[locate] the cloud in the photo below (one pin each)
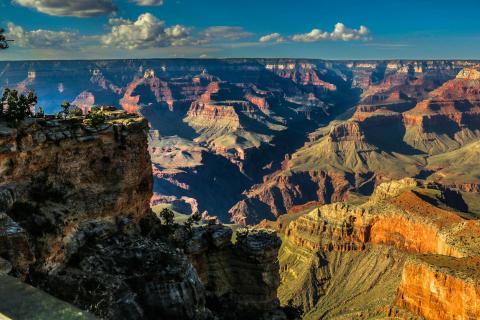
(149, 2)
(273, 37)
(146, 32)
(42, 39)
(218, 33)
(144, 35)
(340, 32)
(73, 8)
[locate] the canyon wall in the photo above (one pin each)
(439, 287)
(76, 222)
(402, 253)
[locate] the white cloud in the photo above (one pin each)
(340, 32)
(312, 36)
(42, 38)
(74, 8)
(149, 2)
(273, 37)
(229, 33)
(146, 32)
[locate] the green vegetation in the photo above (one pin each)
(69, 111)
(193, 219)
(40, 113)
(473, 201)
(167, 217)
(65, 106)
(3, 40)
(15, 108)
(75, 112)
(94, 118)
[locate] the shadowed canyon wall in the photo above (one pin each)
(76, 222)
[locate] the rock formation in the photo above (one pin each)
(390, 135)
(404, 251)
(248, 140)
(75, 221)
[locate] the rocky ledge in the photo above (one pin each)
(75, 221)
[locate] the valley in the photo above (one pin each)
(247, 139)
(325, 189)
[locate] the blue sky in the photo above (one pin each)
(378, 29)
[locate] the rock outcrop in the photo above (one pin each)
(439, 287)
(75, 221)
(422, 256)
(61, 174)
(219, 264)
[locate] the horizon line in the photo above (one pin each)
(243, 58)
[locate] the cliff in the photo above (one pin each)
(219, 263)
(58, 175)
(75, 221)
(439, 287)
(382, 257)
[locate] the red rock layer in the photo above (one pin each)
(212, 112)
(431, 288)
(129, 102)
(411, 225)
(260, 102)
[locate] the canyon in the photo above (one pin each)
(353, 188)
(278, 132)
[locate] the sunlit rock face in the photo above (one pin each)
(438, 287)
(248, 140)
(404, 250)
(248, 115)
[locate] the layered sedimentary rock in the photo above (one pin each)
(75, 221)
(44, 165)
(302, 73)
(392, 134)
(404, 252)
(219, 264)
(249, 115)
(439, 287)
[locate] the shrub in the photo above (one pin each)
(94, 118)
(40, 113)
(75, 112)
(193, 219)
(65, 107)
(15, 108)
(167, 217)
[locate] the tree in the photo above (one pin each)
(193, 219)
(16, 108)
(167, 216)
(75, 112)
(3, 40)
(65, 106)
(40, 113)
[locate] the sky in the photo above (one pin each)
(331, 29)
